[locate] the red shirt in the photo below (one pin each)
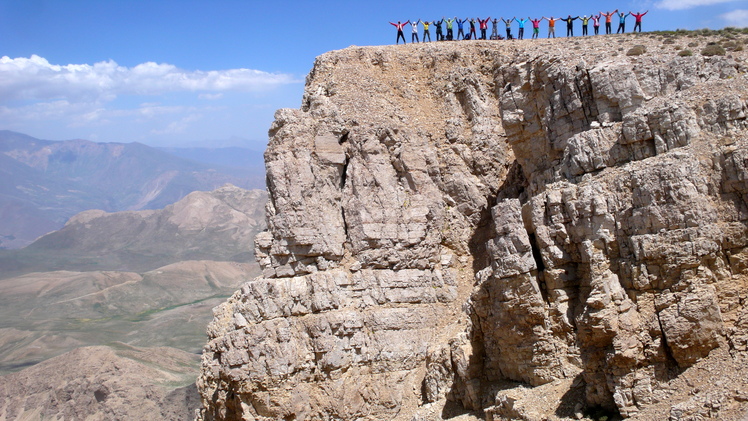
(399, 26)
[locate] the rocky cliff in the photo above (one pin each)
(527, 230)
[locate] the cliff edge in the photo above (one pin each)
(514, 230)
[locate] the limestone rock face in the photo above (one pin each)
(447, 221)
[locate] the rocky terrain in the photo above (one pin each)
(104, 383)
(533, 230)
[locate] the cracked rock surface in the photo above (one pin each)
(508, 230)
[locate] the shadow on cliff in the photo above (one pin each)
(573, 403)
(474, 391)
(513, 188)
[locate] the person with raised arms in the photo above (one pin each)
(596, 23)
(426, 33)
(414, 35)
(400, 27)
(551, 26)
(472, 34)
(638, 17)
(570, 25)
(439, 33)
(521, 22)
(585, 20)
(622, 22)
(460, 28)
(608, 17)
(450, 32)
(536, 27)
(508, 26)
(483, 26)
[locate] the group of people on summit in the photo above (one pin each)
(483, 25)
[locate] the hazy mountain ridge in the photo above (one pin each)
(218, 225)
(231, 156)
(46, 182)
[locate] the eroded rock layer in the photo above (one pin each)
(446, 219)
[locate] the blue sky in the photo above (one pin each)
(188, 72)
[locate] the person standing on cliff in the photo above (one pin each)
(570, 25)
(439, 33)
(638, 17)
(608, 17)
(426, 33)
(536, 27)
(460, 28)
(495, 29)
(551, 26)
(508, 27)
(414, 35)
(450, 32)
(483, 26)
(622, 23)
(596, 23)
(473, 34)
(400, 27)
(521, 23)
(585, 20)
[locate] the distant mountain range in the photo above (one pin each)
(232, 157)
(43, 183)
(146, 278)
(218, 225)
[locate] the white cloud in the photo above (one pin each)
(155, 110)
(211, 97)
(85, 113)
(737, 18)
(35, 78)
(43, 111)
(686, 4)
(179, 126)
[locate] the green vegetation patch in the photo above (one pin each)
(636, 50)
(713, 49)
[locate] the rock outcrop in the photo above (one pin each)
(454, 224)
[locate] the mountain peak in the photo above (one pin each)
(51, 181)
